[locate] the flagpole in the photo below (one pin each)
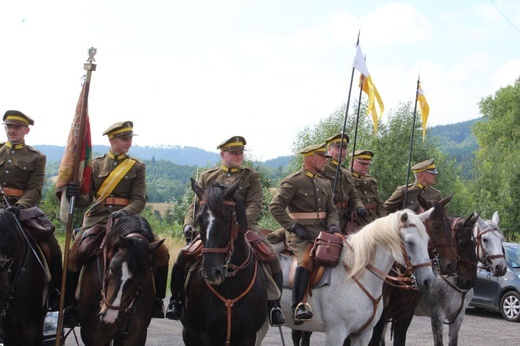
(344, 124)
(357, 120)
(89, 66)
(411, 143)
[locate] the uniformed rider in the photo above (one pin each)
(366, 185)
(251, 193)
(346, 198)
(125, 195)
(425, 174)
(304, 206)
(22, 175)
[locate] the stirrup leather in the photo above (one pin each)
(306, 307)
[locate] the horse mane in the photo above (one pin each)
(8, 231)
(384, 230)
(214, 199)
(136, 248)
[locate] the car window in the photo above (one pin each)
(513, 256)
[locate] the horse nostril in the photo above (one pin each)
(449, 266)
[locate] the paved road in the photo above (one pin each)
(479, 328)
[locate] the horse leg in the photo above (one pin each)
(437, 328)
(400, 327)
(378, 333)
(296, 336)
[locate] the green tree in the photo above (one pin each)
(497, 160)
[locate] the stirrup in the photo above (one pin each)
(271, 312)
(306, 308)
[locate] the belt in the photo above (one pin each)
(116, 201)
(13, 192)
(342, 205)
(371, 206)
(317, 215)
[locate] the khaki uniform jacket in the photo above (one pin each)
(23, 168)
(345, 197)
(300, 193)
(250, 190)
(395, 202)
(366, 187)
(132, 187)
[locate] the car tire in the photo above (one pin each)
(510, 306)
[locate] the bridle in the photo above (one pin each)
(129, 306)
(404, 280)
(485, 258)
(229, 249)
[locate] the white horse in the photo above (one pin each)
(351, 303)
(447, 302)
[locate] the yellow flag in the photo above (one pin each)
(368, 87)
(425, 109)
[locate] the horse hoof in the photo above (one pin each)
(174, 311)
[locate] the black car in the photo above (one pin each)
(503, 293)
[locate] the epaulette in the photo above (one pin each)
(133, 158)
(295, 174)
(33, 149)
(214, 169)
(99, 157)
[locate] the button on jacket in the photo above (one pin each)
(22, 168)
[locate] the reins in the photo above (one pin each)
(483, 256)
(405, 280)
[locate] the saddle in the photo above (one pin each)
(39, 228)
(90, 243)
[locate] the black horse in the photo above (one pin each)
(226, 295)
(22, 285)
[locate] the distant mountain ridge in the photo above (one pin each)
(456, 140)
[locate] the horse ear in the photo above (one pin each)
(445, 200)
(230, 192)
(496, 218)
(152, 247)
(197, 189)
(424, 203)
(423, 216)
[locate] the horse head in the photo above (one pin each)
(489, 239)
(462, 232)
(442, 249)
(128, 270)
(414, 240)
(223, 223)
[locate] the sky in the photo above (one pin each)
(196, 72)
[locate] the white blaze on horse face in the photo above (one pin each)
(211, 221)
(111, 315)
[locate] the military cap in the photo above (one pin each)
(319, 149)
(428, 166)
(120, 129)
(363, 155)
(335, 141)
(17, 118)
(234, 143)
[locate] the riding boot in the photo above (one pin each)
(53, 298)
(276, 317)
(174, 311)
(302, 312)
(161, 279)
(71, 313)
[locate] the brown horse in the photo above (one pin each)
(116, 291)
(225, 301)
(22, 285)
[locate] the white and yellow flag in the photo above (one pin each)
(368, 87)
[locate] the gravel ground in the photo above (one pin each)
(479, 328)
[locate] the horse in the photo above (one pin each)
(23, 286)
(349, 305)
(226, 288)
(441, 252)
(116, 290)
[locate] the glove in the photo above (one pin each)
(333, 229)
(189, 233)
(362, 212)
(117, 214)
(300, 232)
(72, 190)
(15, 209)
